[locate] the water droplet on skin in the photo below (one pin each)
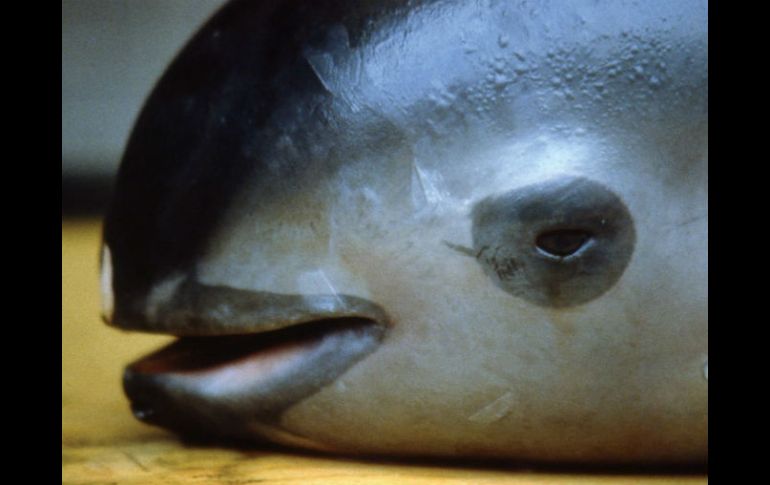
(501, 80)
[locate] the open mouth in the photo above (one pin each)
(217, 385)
(225, 383)
(261, 353)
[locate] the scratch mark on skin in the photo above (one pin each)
(461, 249)
(134, 460)
(687, 222)
(331, 287)
(430, 187)
(691, 220)
(420, 181)
(504, 268)
(162, 293)
(494, 411)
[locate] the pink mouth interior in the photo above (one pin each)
(256, 354)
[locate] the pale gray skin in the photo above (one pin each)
(378, 195)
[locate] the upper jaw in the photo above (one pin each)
(195, 309)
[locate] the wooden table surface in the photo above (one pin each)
(103, 444)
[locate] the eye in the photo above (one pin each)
(562, 242)
(558, 243)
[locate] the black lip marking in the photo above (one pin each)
(560, 243)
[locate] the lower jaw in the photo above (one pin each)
(236, 386)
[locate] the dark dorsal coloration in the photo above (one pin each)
(197, 140)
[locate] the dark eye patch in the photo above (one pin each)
(559, 243)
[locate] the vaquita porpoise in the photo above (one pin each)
(425, 228)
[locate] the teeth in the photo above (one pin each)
(108, 299)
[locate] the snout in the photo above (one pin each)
(243, 357)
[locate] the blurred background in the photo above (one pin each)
(113, 52)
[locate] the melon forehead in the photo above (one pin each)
(435, 87)
(404, 130)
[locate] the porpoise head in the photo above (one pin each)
(425, 228)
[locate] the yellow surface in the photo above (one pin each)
(102, 443)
